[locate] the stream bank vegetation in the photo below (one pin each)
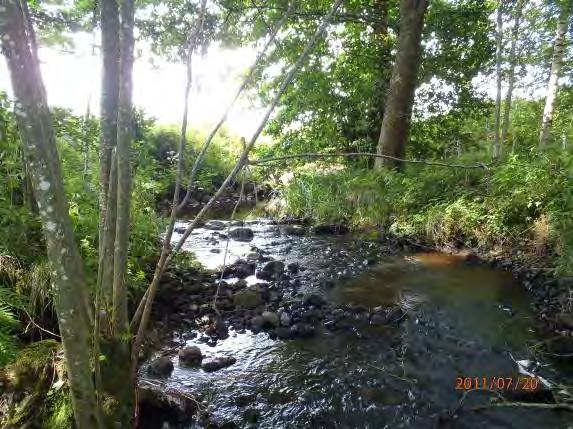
(83, 198)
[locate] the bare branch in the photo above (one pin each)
(246, 81)
(375, 155)
(160, 268)
(147, 300)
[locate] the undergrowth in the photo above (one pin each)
(523, 203)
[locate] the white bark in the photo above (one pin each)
(496, 149)
(71, 294)
(511, 75)
(553, 82)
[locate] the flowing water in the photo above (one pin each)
(462, 321)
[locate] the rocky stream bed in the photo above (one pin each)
(317, 327)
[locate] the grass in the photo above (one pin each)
(523, 203)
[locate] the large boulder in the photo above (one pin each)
(190, 356)
(241, 234)
(247, 298)
(271, 271)
(160, 367)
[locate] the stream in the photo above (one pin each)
(460, 320)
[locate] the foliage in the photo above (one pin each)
(39, 373)
(503, 206)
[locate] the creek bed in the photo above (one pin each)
(460, 320)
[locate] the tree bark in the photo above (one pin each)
(109, 17)
(496, 148)
(118, 350)
(553, 82)
(398, 110)
(511, 75)
(383, 45)
(38, 138)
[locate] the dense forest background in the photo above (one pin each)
(481, 101)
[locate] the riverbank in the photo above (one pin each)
(282, 283)
(514, 216)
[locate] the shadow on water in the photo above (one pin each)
(462, 320)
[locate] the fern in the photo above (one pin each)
(8, 325)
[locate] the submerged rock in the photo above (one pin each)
(335, 228)
(315, 300)
(161, 367)
(215, 225)
(217, 363)
(283, 333)
(190, 356)
(241, 234)
(294, 230)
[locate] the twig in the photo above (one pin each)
(246, 81)
(374, 155)
(227, 245)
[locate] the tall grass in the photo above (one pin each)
(524, 202)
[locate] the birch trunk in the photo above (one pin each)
(38, 138)
(398, 110)
(496, 148)
(553, 83)
(511, 75)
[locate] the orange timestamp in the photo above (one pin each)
(497, 383)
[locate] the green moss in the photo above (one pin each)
(38, 376)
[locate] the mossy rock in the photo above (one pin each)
(36, 389)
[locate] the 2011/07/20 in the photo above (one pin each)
(497, 383)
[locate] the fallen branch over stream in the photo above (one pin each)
(367, 154)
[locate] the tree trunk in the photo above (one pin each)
(398, 111)
(109, 15)
(511, 75)
(553, 83)
(496, 149)
(38, 137)
(383, 44)
(122, 386)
